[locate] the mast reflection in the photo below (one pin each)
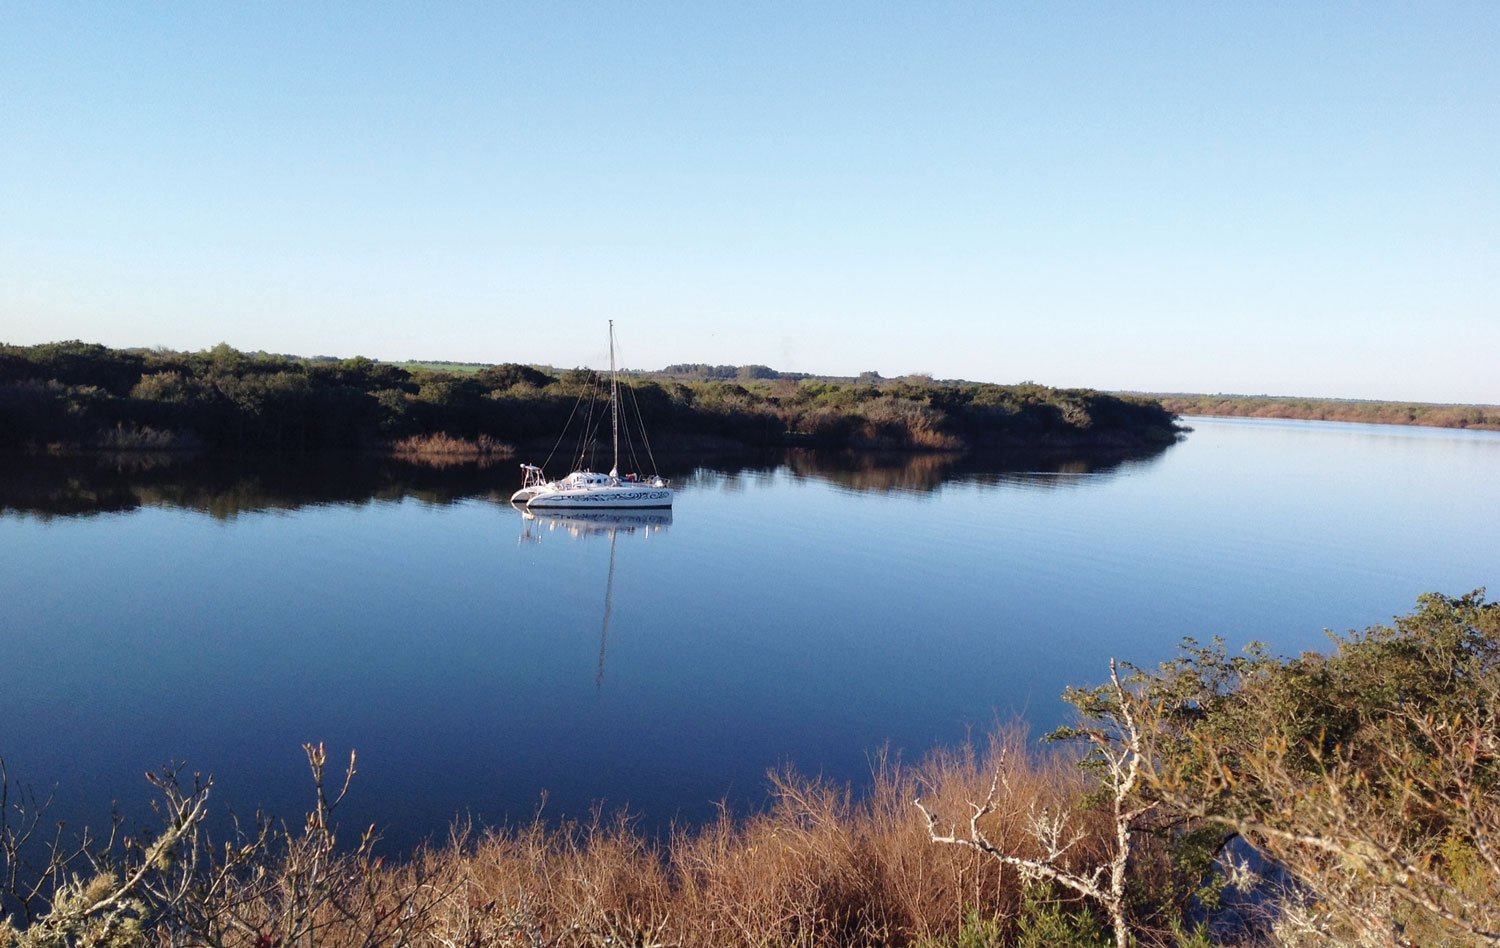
(579, 524)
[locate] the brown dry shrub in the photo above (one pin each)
(575, 884)
(441, 448)
(898, 423)
(124, 437)
(819, 867)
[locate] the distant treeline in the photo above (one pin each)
(73, 394)
(743, 373)
(1332, 409)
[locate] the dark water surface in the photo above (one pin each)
(801, 610)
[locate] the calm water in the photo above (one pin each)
(802, 612)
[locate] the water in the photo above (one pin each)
(800, 612)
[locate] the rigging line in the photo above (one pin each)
(571, 415)
(635, 461)
(595, 426)
(588, 438)
(634, 458)
(593, 445)
(645, 438)
(636, 404)
(629, 445)
(583, 433)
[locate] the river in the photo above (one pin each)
(800, 611)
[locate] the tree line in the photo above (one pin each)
(223, 399)
(1336, 409)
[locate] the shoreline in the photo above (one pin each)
(1292, 408)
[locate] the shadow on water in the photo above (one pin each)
(223, 488)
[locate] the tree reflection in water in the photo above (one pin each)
(47, 486)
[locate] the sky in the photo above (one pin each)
(1259, 198)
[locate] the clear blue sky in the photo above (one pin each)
(1290, 198)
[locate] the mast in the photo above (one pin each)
(614, 401)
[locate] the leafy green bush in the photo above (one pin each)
(1048, 921)
(1370, 774)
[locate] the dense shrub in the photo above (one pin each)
(73, 393)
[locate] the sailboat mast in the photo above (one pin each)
(614, 400)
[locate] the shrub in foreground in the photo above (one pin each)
(818, 867)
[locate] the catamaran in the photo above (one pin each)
(587, 489)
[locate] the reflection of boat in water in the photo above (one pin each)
(587, 489)
(586, 523)
(583, 522)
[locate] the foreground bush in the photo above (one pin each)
(819, 867)
(1371, 775)
(1367, 780)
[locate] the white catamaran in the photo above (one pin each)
(584, 488)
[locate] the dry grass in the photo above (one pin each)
(442, 449)
(903, 424)
(124, 437)
(820, 867)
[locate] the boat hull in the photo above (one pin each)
(623, 496)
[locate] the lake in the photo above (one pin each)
(798, 610)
